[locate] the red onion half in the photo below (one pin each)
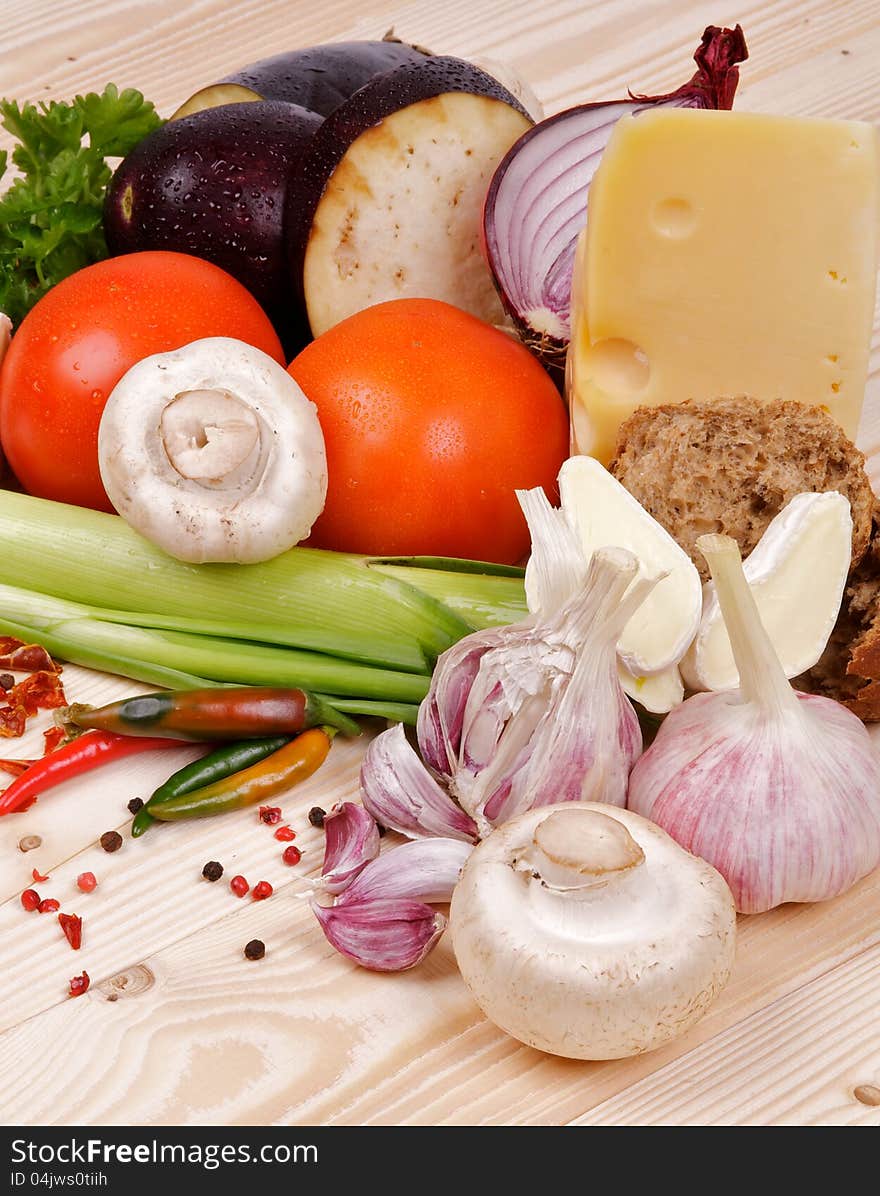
(536, 205)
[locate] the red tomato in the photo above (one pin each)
(432, 419)
(77, 342)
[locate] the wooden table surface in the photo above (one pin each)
(178, 1028)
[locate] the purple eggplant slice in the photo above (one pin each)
(388, 201)
(213, 185)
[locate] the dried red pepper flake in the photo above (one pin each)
(71, 924)
(16, 767)
(239, 886)
(270, 814)
(30, 899)
(49, 905)
(25, 658)
(87, 882)
(38, 876)
(52, 739)
(79, 984)
(292, 855)
(12, 721)
(40, 691)
(285, 834)
(262, 890)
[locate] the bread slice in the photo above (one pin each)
(849, 668)
(731, 465)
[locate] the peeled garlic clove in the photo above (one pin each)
(797, 573)
(657, 692)
(585, 931)
(424, 870)
(5, 335)
(351, 841)
(382, 935)
(401, 794)
(605, 513)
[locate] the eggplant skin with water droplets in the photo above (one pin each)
(388, 201)
(213, 185)
(320, 78)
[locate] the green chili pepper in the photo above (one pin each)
(221, 763)
(294, 762)
(224, 712)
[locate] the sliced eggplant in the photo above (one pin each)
(213, 184)
(214, 96)
(388, 199)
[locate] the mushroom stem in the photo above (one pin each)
(577, 849)
(210, 436)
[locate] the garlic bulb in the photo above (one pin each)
(779, 790)
(534, 714)
(587, 932)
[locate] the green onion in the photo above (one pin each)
(323, 601)
(178, 660)
(364, 632)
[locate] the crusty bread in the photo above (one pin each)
(849, 668)
(730, 465)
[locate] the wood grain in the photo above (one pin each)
(198, 1035)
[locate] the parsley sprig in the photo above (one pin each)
(50, 215)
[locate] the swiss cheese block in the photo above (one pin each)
(725, 253)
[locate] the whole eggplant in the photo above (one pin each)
(214, 185)
(320, 78)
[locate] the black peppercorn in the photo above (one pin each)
(255, 949)
(317, 816)
(212, 870)
(111, 840)
(6, 681)
(135, 805)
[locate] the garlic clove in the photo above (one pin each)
(423, 870)
(659, 692)
(400, 793)
(381, 935)
(5, 335)
(557, 567)
(604, 513)
(351, 841)
(797, 573)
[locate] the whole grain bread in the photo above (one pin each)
(731, 465)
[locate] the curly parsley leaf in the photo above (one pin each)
(50, 215)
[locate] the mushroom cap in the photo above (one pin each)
(613, 968)
(213, 452)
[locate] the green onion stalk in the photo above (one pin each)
(362, 632)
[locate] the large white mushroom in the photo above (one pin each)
(213, 452)
(586, 931)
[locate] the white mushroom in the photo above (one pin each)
(214, 453)
(585, 931)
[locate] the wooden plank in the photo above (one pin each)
(798, 1062)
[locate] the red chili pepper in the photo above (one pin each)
(37, 877)
(262, 890)
(292, 855)
(79, 756)
(270, 815)
(30, 899)
(72, 924)
(79, 984)
(285, 834)
(49, 905)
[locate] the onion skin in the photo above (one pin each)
(526, 289)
